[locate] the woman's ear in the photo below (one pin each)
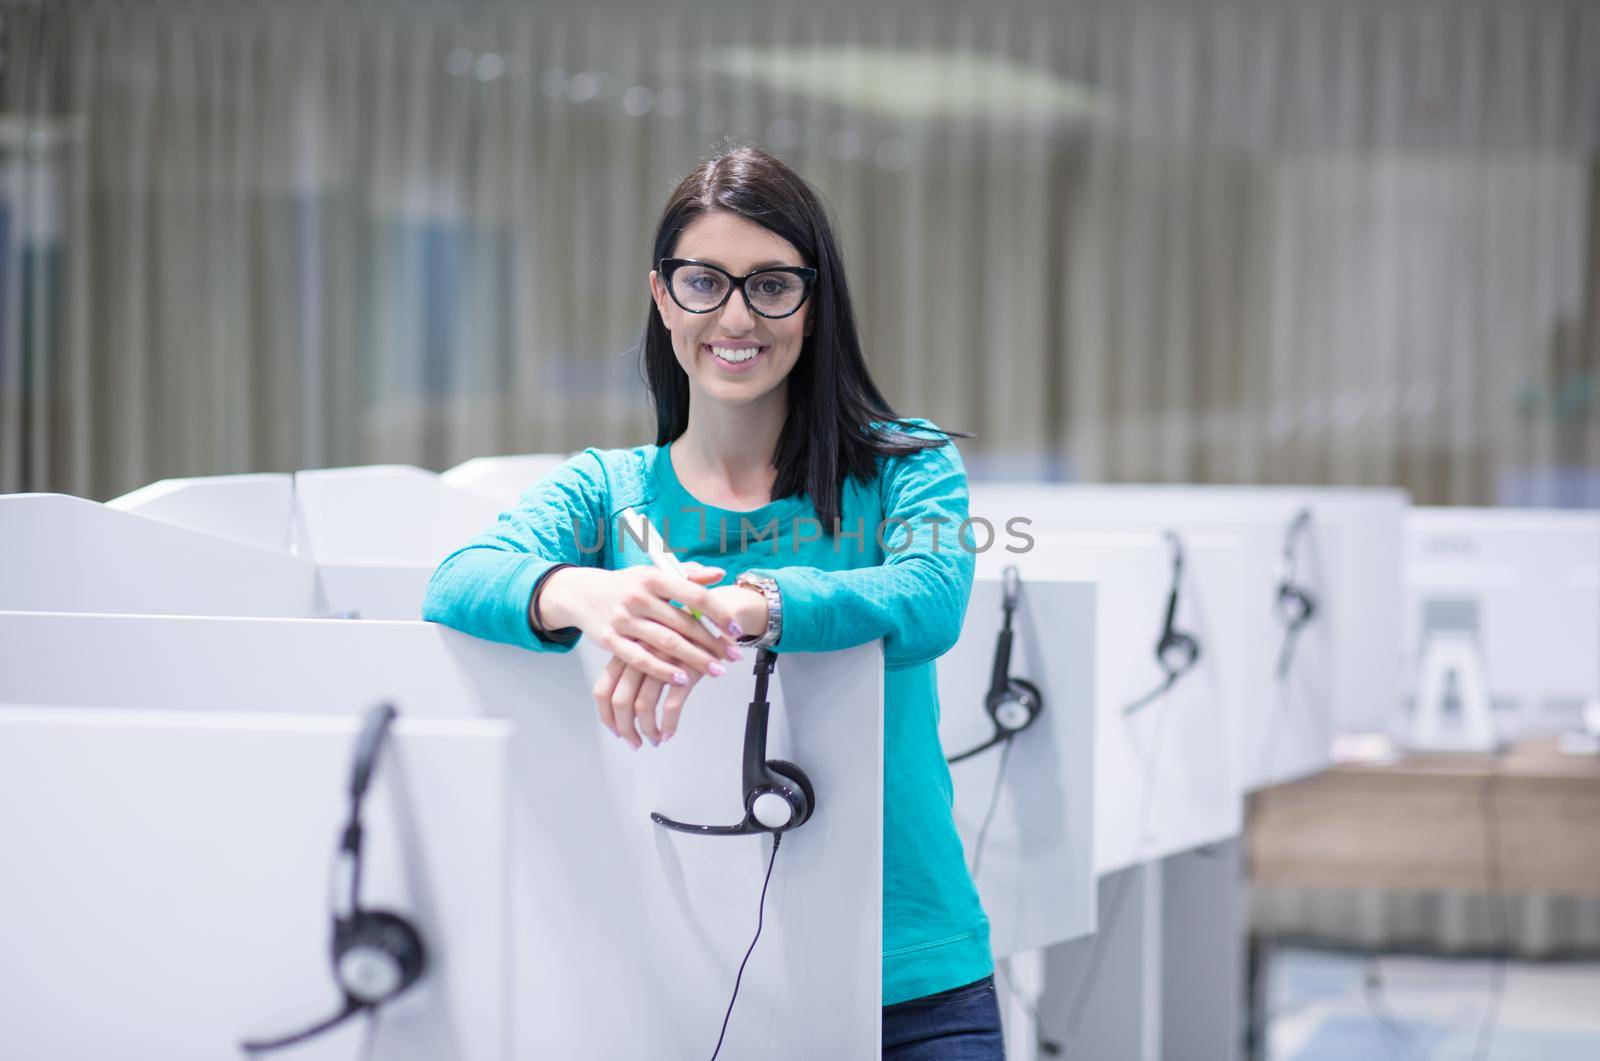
(658, 296)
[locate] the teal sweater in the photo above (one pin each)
(913, 596)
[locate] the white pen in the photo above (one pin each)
(656, 547)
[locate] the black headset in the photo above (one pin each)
(777, 794)
(1296, 605)
(1177, 652)
(1013, 703)
(777, 797)
(377, 954)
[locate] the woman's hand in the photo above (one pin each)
(627, 699)
(629, 614)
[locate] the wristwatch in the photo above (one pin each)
(768, 588)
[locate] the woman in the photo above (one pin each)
(772, 444)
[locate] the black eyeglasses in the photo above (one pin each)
(699, 287)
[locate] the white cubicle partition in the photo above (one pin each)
(167, 882)
(1355, 535)
(605, 904)
(1284, 728)
(1116, 983)
(502, 478)
(378, 533)
(387, 515)
(1037, 875)
(1163, 774)
(61, 553)
(254, 509)
(1525, 583)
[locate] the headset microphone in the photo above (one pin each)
(1176, 652)
(1013, 704)
(1296, 604)
(377, 955)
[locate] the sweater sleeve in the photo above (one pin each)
(916, 600)
(484, 588)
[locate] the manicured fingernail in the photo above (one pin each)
(666, 736)
(735, 629)
(735, 652)
(679, 678)
(717, 669)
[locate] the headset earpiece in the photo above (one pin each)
(1178, 651)
(1016, 708)
(804, 798)
(1295, 604)
(1013, 704)
(376, 956)
(777, 794)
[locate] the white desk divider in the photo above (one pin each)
(1284, 729)
(68, 554)
(167, 881)
(502, 478)
(605, 905)
(1358, 533)
(1164, 774)
(378, 533)
(254, 509)
(1524, 584)
(1036, 876)
(1162, 976)
(387, 515)
(1103, 993)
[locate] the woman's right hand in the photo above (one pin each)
(629, 614)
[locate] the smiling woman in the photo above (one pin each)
(766, 416)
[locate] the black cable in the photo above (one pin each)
(1041, 1042)
(994, 802)
(1114, 907)
(1497, 906)
(369, 1038)
(1378, 1004)
(1098, 953)
(761, 911)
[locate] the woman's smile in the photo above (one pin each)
(734, 358)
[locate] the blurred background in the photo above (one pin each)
(1322, 242)
(1309, 241)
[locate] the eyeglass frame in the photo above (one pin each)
(807, 275)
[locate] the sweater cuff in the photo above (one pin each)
(566, 635)
(517, 612)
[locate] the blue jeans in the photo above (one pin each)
(962, 1024)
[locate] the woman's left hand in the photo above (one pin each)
(627, 698)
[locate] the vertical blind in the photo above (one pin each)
(1320, 241)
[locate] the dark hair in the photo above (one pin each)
(829, 433)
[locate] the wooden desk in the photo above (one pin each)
(1425, 823)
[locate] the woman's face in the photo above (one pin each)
(741, 247)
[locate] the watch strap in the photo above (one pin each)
(768, 588)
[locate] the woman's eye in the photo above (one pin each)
(772, 286)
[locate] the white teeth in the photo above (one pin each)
(735, 356)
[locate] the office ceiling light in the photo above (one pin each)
(908, 85)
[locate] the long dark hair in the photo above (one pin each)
(828, 434)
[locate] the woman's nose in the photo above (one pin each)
(736, 315)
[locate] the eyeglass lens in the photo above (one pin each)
(699, 288)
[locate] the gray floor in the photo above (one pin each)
(1320, 1008)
